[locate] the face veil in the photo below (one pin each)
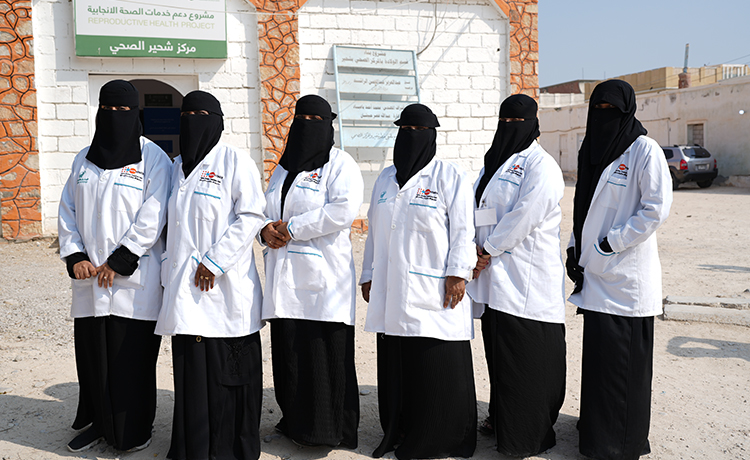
(116, 140)
(414, 148)
(510, 137)
(199, 133)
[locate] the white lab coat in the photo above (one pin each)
(632, 199)
(418, 236)
(103, 209)
(313, 277)
(214, 214)
(525, 276)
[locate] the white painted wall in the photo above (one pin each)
(463, 73)
(666, 115)
(63, 83)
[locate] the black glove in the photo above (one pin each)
(73, 259)
(123, 262)
(604, 245)
(575, 271)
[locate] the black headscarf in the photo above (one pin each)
(609, 132)
(308, 145)
(510, 137)
(199, 133)
(116, 140)
(414, 148)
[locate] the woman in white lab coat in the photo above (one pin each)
(112, 212)
(622, 196)
(312, 199)
(212, 292)
(520, 282)
(418, 255)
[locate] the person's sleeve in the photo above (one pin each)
(266, 213)
(152, 215)
(540, 193)
(655, 186)
(248, 202)
(462, 254)
(72, 260)
(345, 189)
(67, 227)
(369, 243)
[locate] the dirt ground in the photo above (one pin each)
(701, 381)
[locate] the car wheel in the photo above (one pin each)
(675, 184)
(705, 183)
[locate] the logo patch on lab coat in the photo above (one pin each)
(82, 179)
(382, 198)
(621, 170)
(516, 170)
(426, 194)
(131, 173)
(313, 177)
(211, 177)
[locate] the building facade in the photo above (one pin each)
(470, 54)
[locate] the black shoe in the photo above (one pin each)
(85, 440)
(485, 427)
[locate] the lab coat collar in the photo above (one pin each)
(428, 170)
(206, 162)
(523, 153)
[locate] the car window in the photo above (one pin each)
(701, 153)
(668, 153)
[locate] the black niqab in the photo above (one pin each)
(609, 132)
(309, 142)
(116, 140)
(414, 149)
(510, 137)
(199, 133)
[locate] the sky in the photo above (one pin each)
(597, 39)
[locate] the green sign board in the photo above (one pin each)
(157, 28)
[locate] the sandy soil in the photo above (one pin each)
(701, 371)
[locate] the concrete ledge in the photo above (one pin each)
(714, 302)
(680, 312)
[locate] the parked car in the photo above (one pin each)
(690, 163)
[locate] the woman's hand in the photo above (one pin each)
(366, 291)
(84, 270)
(483, 260)
(106, 275)
(273, 238)
(454, 291)
(204, 279)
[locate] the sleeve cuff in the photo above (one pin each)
(289, 229)
(212, 266)
(493, 251)
(459, 272)
(73, 259)
(615, 240)
(365, 278)
(123, 261)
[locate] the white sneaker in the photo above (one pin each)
(141, 447)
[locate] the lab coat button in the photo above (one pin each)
(174, 265)
(393, 227)
(182, 189)
(178, 223)
(399, 195)
(101, 251)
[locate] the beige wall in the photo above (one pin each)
(665, 115)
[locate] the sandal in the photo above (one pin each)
(485, 427)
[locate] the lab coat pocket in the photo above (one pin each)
(426, 288)
(127, 198)
(83, 287)
(138, 279)
(302, 268)
(601, 262)
(424, 217)
(206, 204)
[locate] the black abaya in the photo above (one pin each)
(316, 381)
(616, 386)
(218, 385)
(426, 397)
(527, 380)
(116, 364)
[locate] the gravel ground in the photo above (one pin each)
(701, 371)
